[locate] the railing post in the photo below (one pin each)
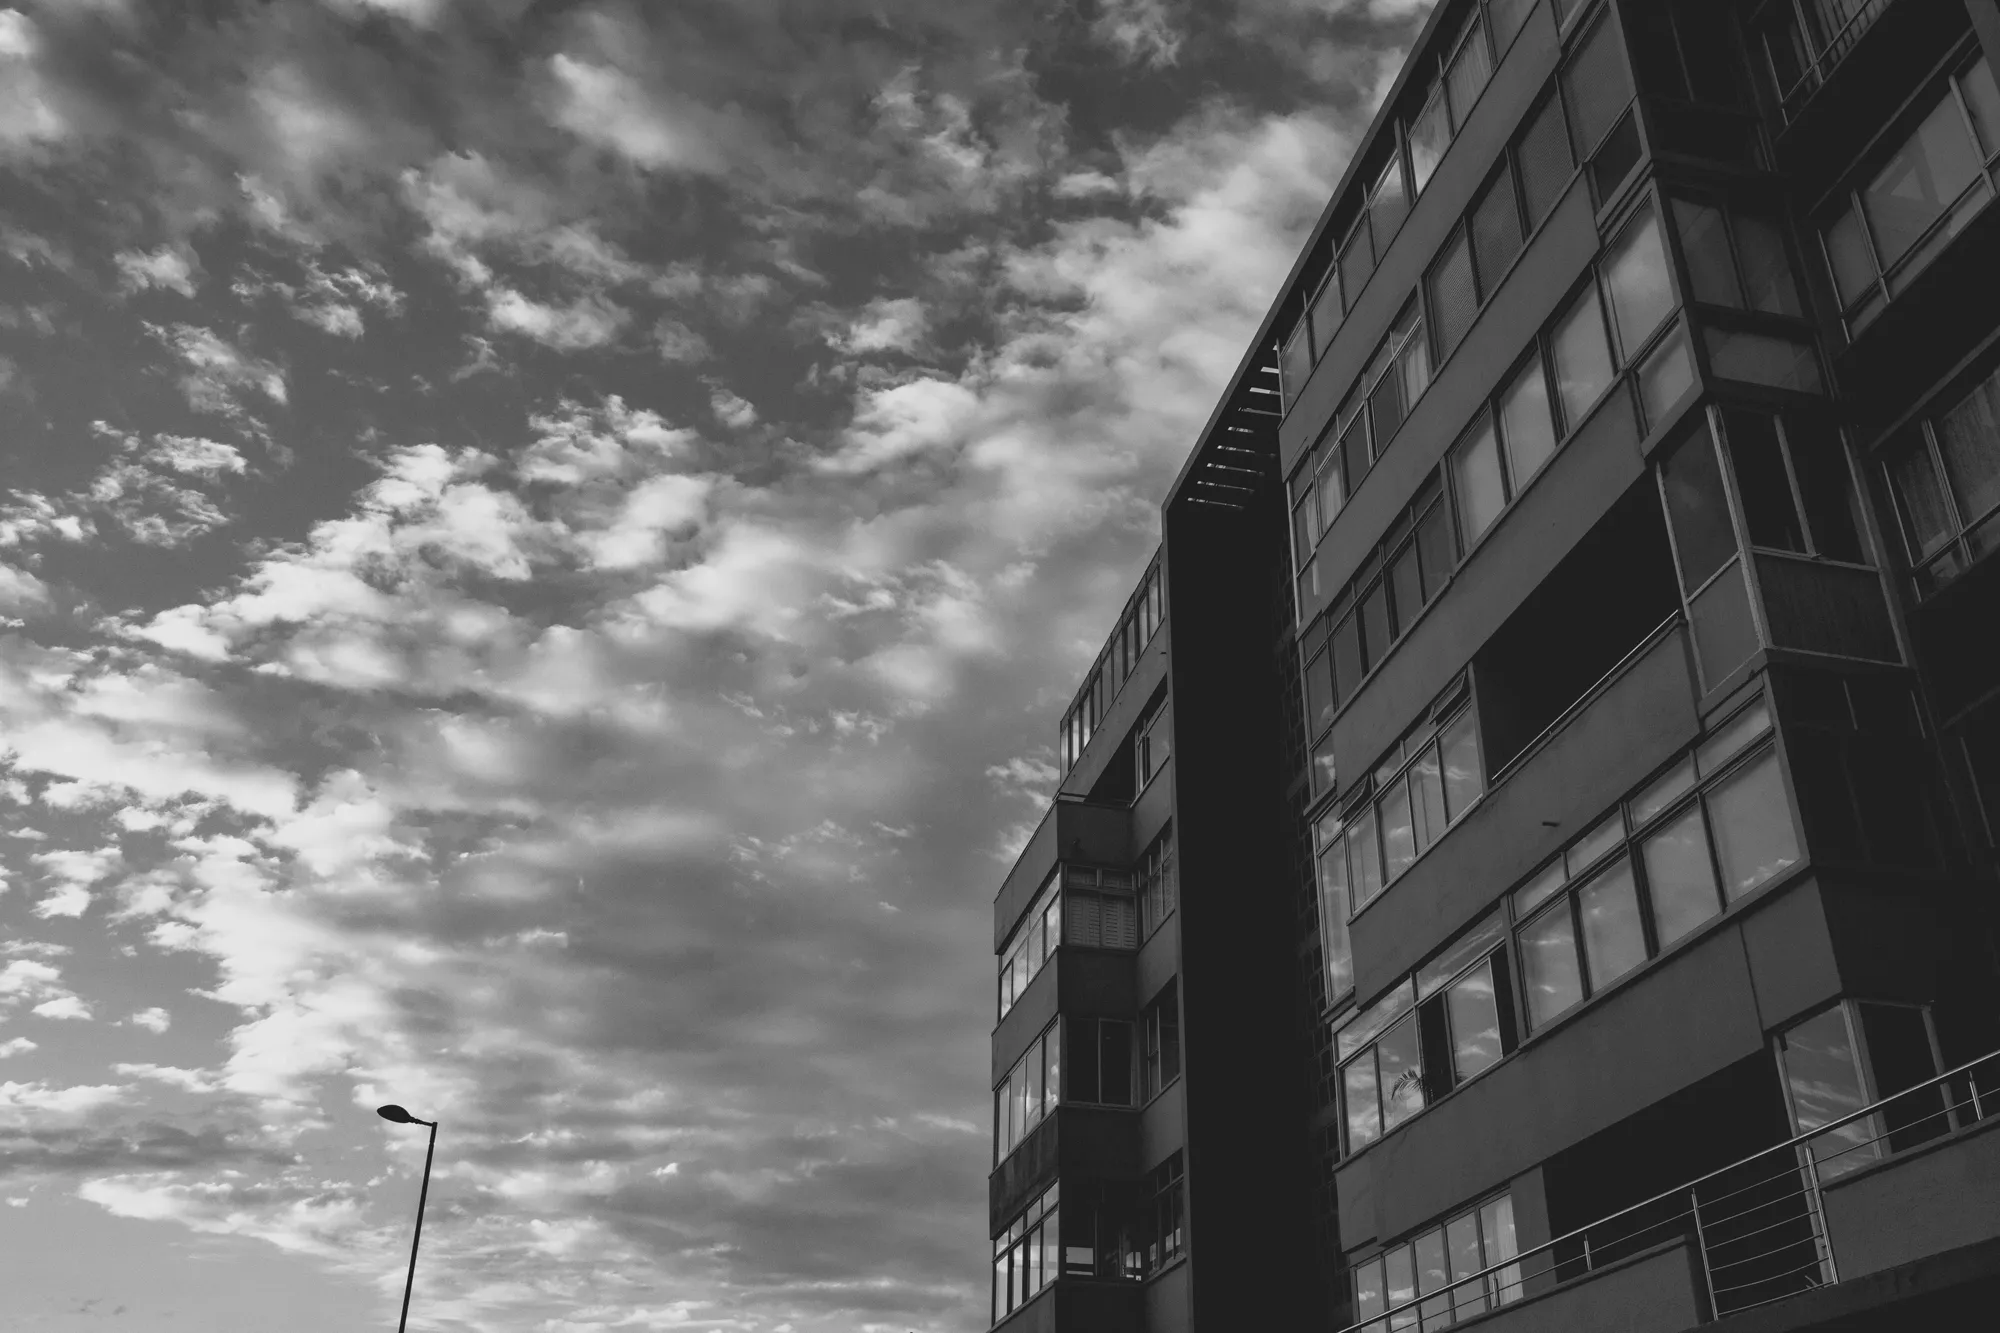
(1701, 1248)
(1825, 1233)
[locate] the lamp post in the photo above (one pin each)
(402, 1117)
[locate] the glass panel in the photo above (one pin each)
(1920, 501)
(1754, 837)
(1402, 1285)
(1760, 358)
(1414, 362)
(1454, 298)
(1496, 231)
(1430, 135)
(1548, 961)
(1968, 440)
(1824, 1078)
(1819, 464)
(1496, 1224)
(1537, 890)
(1296, 364)
(1475, 472)
(1388, 204)
(1615, 157)
(1506, 16)
(1375, 636)
(1468, 74)
(1543, 155)
(1848, 255)
(1898, 1045)
(1035, 1073)
(1583, 358)
(1357, 261)
(1433, 1274)
(1703, 536)
(1406, 587)
(1734, 734)
(1427, 797)
(1402, 1073)
(1598, 85)
(1916, 185)
(1609, 832)
(1463, 781)
(1666, 374)
(1983, 100)
(1399, 842)
(1359, 1088)
(1613, 940)
(1348, 667)
(1325, 313)
(1052, 1066)
(1705, 245)
(1336, 948)
(1480, 940)
(1474, 1009)
(1320, 701)
(1368, 1289)
(1385, 411)
(1332, 494)
(1635, 275)
(1680, 877)
(1765, 487)
(1434, 547)
(1525, 424)
(1724, 634)
(1767, 270)
(1665, 790)
(1461, 1236)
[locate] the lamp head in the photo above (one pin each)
(398, 1114)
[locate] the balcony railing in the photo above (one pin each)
(1820, 33)
(1758, 1225)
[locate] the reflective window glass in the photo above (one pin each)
(1454, 297)
(1680, 877)
(1375, 635)
(1920, 501)
(1357, 261)
(1582, 358)
(1332, 494)
(1295, 364)
(1847, 253)
(1388, 204)
(1543, 155)
(1433, 1275)
(1435, 549)
(1402, 1285)
(1923, 179)
(1402, 1073)
(1635, 275)
(1823, 1076)
(1399, 839)
(1470, 69)
(1597, 84)
(1473, 1008)
(1525, 423)
(1537, 890)
(1364, 861)
(1733, 736)
(1359, 1090)
(1462, 1242)
(1767, 270)
(1704, 539)
(1368, 1289)
(1754, 837)
(1665, 789)
(1475, 470)
(1406, 587)
(1463, 778)
(1319, 694)
(1334, 909)
(1326, 313)
(1705, 244)
(1430, 135)
(1427, 797)
(1665, 375)
(1614, 942)
(1969, 442)
(1983, 100)
(1762, 358)
(1496, 231)
(1608, 833)
(1496, 1227)
(1548, 963)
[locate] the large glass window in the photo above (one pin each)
(1157, 1232)
(1034, 943)
(1420, 787)
(1028, 1093)
(1142, 618)
(1097, 1065)
(1932, 182)
(1024, 1255)
(1710, 829)
(1582, 355)
(1945, 477)
(1597, 87)
(1160, 1038)
(1792, 478)
(1159, 883)
(1433, 1261)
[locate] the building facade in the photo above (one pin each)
(1562, 722)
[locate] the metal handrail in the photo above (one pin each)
(1828, 55)
(1516, 1261)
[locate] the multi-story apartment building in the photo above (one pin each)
(1558, 721)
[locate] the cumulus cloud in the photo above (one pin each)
(219, 374)
(21, 591)
(155, 1020)
(171, 267)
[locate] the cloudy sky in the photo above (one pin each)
(542, 545)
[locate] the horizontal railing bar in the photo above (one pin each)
(1799, 1193)
(1810, 1238)
(1755, 1184)
(1766, 1281)
(1582, 1232)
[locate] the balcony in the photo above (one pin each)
(1807, 40)
(1895, 1184)
(1069, 1304)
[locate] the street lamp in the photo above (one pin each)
(402, 1117)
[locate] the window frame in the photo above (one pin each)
(1930, 573)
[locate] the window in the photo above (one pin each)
(1889, 228)
(1704, 833)
(1381, 1077)
(1160, 1037)
(1866, 780)
(1474, 261)
(1803, 40)
(1582, 356)
(1394, 380)
(1335, 907)
(1685, 50)
(1597, 88)
(1157, 1233)
(1792, 480)
(1099, 1068)
(1155, 742)
(1737, 259)
(1945, 478)
(1461, 74)
(1461, 1247)
(1717, 599)
(1024, 1255)
(1028, 1093)
(1419, 788)
(1159, 889)
(1827, 1062)
(1544, 161)
(1100, 910)
(1142, 617)
(1034, 943)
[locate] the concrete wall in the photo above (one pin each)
(1931, 1199)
